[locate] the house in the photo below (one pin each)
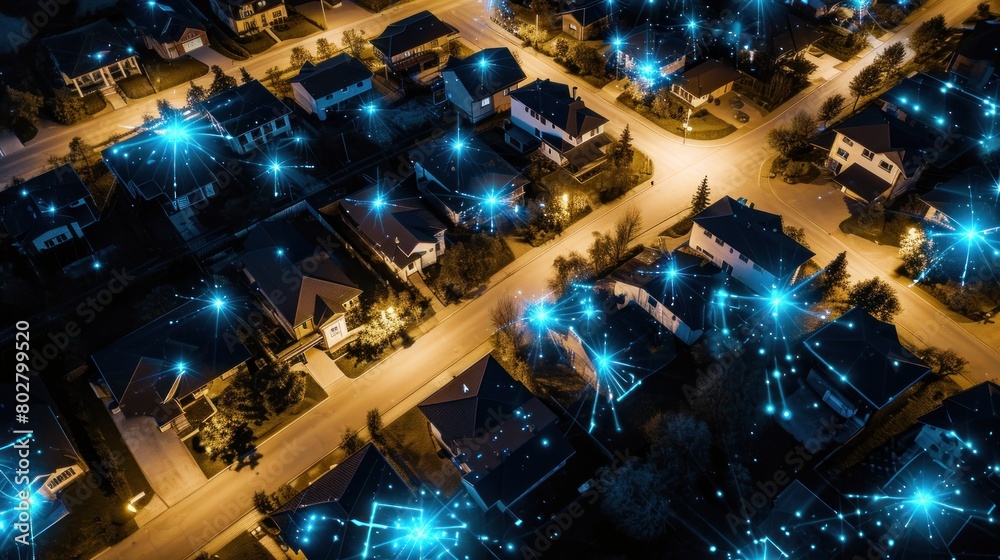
(416, 45)
(860, 366)
(163, 370)
(974, 64)
(92, 57)
(814, 8)
(964, 432)
(48, 210)
(748, 244)
(319, 88)
(546, 114)
(584, 19)
(396, 225)
(966, 203)
(802, 524)
(54, 462)
(467, 181)
(302, 284)
(169, 171)
(249, 17)
(504, 441)
(651, 51)
(172, 28)
(614, 350)
(334, 517)
(875, 156)
(955, 121)
(248, 116)
(678, 290)
(786, 35)
(479, 85)
(704, 83)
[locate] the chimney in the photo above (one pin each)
(751, 205)
(574, 93)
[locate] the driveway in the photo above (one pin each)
(826, 65)
(163, 458)
(823, 192)
(727, 112)
(319, 365)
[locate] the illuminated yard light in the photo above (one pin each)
(218, 304)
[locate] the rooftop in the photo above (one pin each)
(553, 101)
(941, 106)
(707, 77)
(970, 200)
(47, 201)
(244, 108)
(467, 172)
(88, 48)
(865, 354)
(411, 32)
(331, 75)
(164, 20)
(484, 73)
(756, 234)
(169, 358)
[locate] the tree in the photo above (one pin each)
(866, 82)
(622, 153)
(834, 276)
(353, 41)
(324, 49)
(876, 297)
(67, 107)
(679, 444)
(195, 95)
(562, 48)
(275, 78)
(913, 251)
(168, 113)
(797, 234)
(376, 430)
(79, 149)
(505, 316)
(610, 248)
(299, 56)
(634, 499)
(700, 200)
(469, 264)
(23, 105)
(544, 9)
(983, 10)
(568, 270)
(279, 387)
(831, 107)
(351, 441)
(220, 82)
(264, 502)
(890, 61)
(388, 318)
(227, 438)
(943, 363)
(929, 36)
(587, 59)
(245, 77)
(793, 138)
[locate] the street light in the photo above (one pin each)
(687, 128)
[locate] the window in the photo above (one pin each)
(360, 84)
(410, 267)
(885, 166)
(485, 102)
(541, 119)
(867, 154)
(593, 133)
(757, 268)
(719, 241)
(744, 258)
(335, 330)
(572, 27)
(708, 234)
(650, 301)
(848, 141)
(842, 153)
(526, 110)
(506, 92)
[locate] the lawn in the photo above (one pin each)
(243, 547)
(226, 45)
(353, 370)
(294, 27)
(705, 125)
(256, 44)
(884, 232)
(94, 103)
(680, 229)
(136, 87)
(410, 436)
(165, 74)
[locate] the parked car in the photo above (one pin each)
(736, 103)
(742, 117)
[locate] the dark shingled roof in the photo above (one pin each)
(169, 357)
(883, 133)
(411, 32)
(982, 42)
(275, 252)
(656, 44)
(88, 48)
(552, 100)
(939, 106)
(790, 34)
(974, 416)
(484, 73)
(756, 234)
(331, 75)
(317, 521)
(862, 182)
(46, 202)
(398, 225)
(244, 108)
(232, 7)
(798, 525)
(465, 177)
(495, 426)
(157, 165)
(865, 354)
(707, 77)
(587, 12)
(969, 200)
(163, 20)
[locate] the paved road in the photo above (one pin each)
(407, 376)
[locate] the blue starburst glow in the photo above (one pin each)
(405, 531)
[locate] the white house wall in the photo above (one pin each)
(760, 281)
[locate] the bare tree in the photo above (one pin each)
(505, 314)
(627, 229)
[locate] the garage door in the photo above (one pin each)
(192, 44)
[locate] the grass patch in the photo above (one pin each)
(243, 547)
(892, 420)
(165, 74)
(353, 370)
(204, 460)
(136, 87)
(24, 130)
(225, 45)
(680, 229)
(94, 103)
(886, 231)
(705, 125)
(458, 49)
(843, 47)
(409, 435)
(295, 26)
